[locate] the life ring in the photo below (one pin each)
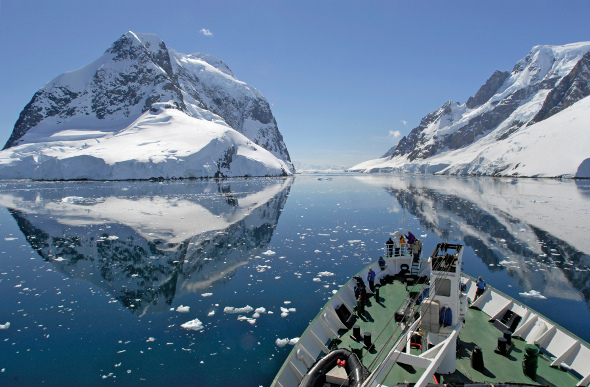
(316, 376)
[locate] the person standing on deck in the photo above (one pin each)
(371, 279)
(481, 287)
(402, 242)
(411, 238)
(382, 264)
(416, 249)
(389, 245)
(396, 242)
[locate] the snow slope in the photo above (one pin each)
(555, 147)
(162, 142)
(143, 111)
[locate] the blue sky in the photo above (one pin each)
(342, 76)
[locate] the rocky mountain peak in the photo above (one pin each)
(488, 90)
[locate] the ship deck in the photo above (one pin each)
(478, 331)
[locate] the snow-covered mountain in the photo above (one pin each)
(533, 121)
(143, 110)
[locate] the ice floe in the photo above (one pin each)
(183, 309)
(249, 319)
(231, 309)
(285, 311)
(283, 342)
(325, 274)
(533, 294)
(193, 325)
(5, 326)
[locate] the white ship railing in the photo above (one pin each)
(569, 351)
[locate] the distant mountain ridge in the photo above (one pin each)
(138, 78)
(500, 130)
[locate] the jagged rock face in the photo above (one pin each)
(136, 72)
(545, 82)
(488, 90)
(572, 88)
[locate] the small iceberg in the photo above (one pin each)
(282, 342)
(193, 325)
(231, 309)
(533, 294)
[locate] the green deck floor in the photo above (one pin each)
(478, 331)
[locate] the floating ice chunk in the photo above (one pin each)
(150, 339)
(10, 239)
(423, 235)
(206, 294)
(73, 199)
(58, 259)
(286, 302)
(269, 252)
(282, 342)
(325, 274)
(316, 280)
(262, 268)
(317, 251)
(260, 310)
(193, 325)
(231, 309)
(533, 294)
(507, 263)
(5, 326)
(183, 309)
(250, 320)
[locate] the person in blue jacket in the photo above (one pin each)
(382, 263)
(371, 279)
(481, 287)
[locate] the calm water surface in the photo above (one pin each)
(97, 279)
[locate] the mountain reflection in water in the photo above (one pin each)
(535, 230)
(175, 252)
(145, 243)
